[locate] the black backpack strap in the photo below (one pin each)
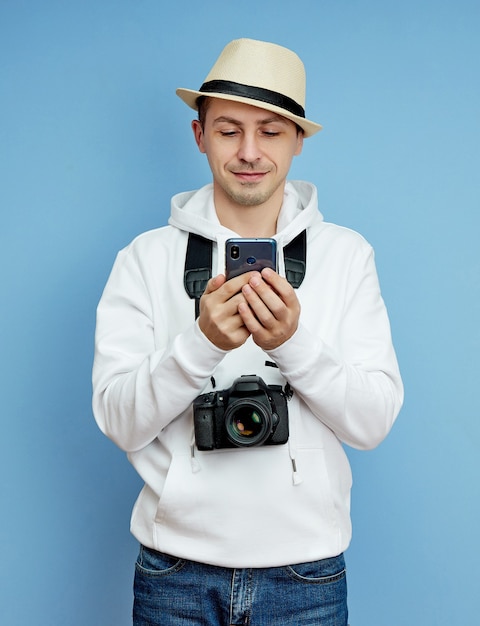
(295, 256)
(198, 267)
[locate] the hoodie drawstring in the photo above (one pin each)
(194, 464)
(292, 449)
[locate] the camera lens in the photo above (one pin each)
(235, 252)
(247, 423)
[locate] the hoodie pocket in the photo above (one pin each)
(245, 500)
(179, 502)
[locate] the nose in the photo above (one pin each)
(249, 148)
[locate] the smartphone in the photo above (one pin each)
(245, 255)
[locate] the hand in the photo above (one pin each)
(219, 318)
(270, 309)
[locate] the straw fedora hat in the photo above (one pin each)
(260, 74)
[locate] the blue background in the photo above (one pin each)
(93, 143)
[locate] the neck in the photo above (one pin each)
(251, 223)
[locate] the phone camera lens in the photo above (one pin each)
(235, 252)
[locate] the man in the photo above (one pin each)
(245, 535)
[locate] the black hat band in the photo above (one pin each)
(231, 88)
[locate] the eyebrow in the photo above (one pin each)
(268, 120)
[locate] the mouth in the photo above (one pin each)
(250, 177)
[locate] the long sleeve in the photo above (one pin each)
(143, 376)
(352, 384)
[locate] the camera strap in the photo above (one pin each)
(198, 264)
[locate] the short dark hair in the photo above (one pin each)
(203, 102)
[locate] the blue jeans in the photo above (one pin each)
(176, 592)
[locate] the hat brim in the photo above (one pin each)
(190, 96)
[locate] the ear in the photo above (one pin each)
(198, 134)
(299, 147)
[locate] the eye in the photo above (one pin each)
(228, 133)
(271, 133)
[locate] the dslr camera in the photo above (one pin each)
(249, 413)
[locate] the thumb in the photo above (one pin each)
(214, 283)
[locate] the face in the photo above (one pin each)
(249, 151)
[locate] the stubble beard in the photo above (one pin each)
(249, 195)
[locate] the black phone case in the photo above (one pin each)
(245, 255)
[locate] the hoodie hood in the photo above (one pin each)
(194, 211)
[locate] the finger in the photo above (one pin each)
(249, 320)
(220, 309)
(285, 292)
(267, 334)
(234, 285)
(214, 283)
(264, 300)
(230, 287)
(221, 323)
(280, 285)
(261, 304)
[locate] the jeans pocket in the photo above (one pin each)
(153, 563)
(320, 572)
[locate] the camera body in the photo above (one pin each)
(249, 413)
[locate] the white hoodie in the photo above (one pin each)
(247, 507)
